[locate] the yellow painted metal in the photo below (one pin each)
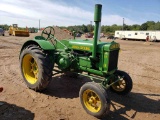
(30, 69)
(91, 101)
(119, 86)
(21, 33)
(13, 30)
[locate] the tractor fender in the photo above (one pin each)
(45, 45)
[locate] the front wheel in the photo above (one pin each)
(124, 86)
(94, 99)
(36, 67)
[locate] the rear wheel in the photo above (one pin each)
(124, 86)
(94, 99)
(36, 67)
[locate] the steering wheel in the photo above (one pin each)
(48, 32)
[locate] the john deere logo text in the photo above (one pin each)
(114, 46)
(81, 47)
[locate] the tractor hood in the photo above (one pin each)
(87, 45)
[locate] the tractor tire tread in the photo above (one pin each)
(106, 104)
(128, 81)
(46, 66)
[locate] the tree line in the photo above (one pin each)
(149, 25)
(6, 27)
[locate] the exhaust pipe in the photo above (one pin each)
(97, 28)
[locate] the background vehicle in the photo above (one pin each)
(33, 30)
(2, 31)
(102, 35)
(94, 59)
(88, 35)
(14, 30)
(154, 35)
(110, 37)
(78, 35)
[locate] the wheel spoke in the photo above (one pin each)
(45, 32)
(123, 84)
(97, 100)
(96, 97)
(31, 63)
(34, 68)
(121, 87)
(91, 93)
(50, 31)
(36, 76)
(97, 104)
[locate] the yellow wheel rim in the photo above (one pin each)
(91, 101)
(30, 69)
(119, 86)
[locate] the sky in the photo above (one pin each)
(77, 12)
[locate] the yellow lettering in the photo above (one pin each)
(114, 46)
(81, 47)
(76, 47)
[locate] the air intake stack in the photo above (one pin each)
(97, 28)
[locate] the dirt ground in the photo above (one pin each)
(61, 99)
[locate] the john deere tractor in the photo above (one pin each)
(91, 58)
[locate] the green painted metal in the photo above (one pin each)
(62, 44)
(85, 62)
(97, 20)
(105, 61)
(112, 46)
(39, 38)
(106, 82)
(97, 13)
(63, 60)
(92, 71)
(83, 45)
(45, 45)
(91, 56)
(86, 45)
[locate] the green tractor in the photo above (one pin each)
(94, 59)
